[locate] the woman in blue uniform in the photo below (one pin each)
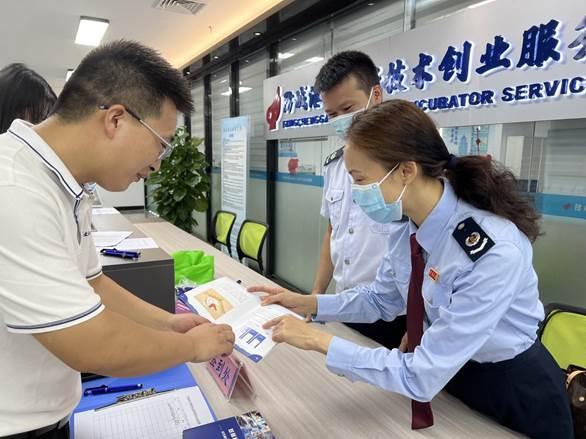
(462, 267)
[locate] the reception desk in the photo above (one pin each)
(151, 277)
(301, 399)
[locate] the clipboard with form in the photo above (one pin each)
(160, 416)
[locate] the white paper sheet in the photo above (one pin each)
(163, 416)
(109, 239)
(137, 244)
(104, 211)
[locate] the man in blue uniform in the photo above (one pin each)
(354, 244)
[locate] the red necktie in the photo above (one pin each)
(421, 415)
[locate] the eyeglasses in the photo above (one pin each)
(167, 147)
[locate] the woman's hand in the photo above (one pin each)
(298, 333)
(301, 304)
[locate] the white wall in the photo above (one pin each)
(133, 196)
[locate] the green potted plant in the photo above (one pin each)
(182, 185)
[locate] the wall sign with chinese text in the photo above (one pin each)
(501, 62)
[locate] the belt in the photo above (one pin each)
(41, 431)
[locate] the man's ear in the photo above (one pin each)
(377, 94)
(112, 117)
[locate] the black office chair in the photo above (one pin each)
(250, 242)
(222, 228)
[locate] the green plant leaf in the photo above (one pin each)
(154, 179)
(182, 183)
(183, 214)
(201, 204)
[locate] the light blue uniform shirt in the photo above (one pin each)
(486, 311)
(358, 244)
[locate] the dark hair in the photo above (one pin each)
(398, 131)
(122, 72)
(345, 64)
(24, 94)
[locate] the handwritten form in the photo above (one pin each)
(163, 416)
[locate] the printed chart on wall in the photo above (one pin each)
(235, 151)
(470, 140)
(225, 301)
(301, 161)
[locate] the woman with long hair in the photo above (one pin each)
(461, 267)
(24, 94)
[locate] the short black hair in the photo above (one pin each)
(24, 94)
(345, 64)
(123, 72)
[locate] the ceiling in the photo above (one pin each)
(41, 33)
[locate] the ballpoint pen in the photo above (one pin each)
(120, 253)
(111, 389)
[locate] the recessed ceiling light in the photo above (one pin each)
(286, 55)
(91, 31)
(370, 4)
(68, 74)
(293, 39)
(216, 57)
(257, 34)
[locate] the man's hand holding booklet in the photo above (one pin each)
(225, 301)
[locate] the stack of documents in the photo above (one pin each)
(109, 239)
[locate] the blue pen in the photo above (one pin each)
(107, 389)
(120, 253)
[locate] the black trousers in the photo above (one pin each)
(389, 334)
(55, 433)
(526, 394)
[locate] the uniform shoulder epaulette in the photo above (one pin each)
(473, 240)
(334, 156)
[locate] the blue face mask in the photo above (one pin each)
(342, 123)
(371, 201)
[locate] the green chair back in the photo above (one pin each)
(250, 241)
(563, 333)
(222, 229)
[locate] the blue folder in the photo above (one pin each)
(177, 377)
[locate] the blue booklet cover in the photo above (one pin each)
(250, 425)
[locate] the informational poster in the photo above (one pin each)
(469, 140)
(300, 161)
(235, 151)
